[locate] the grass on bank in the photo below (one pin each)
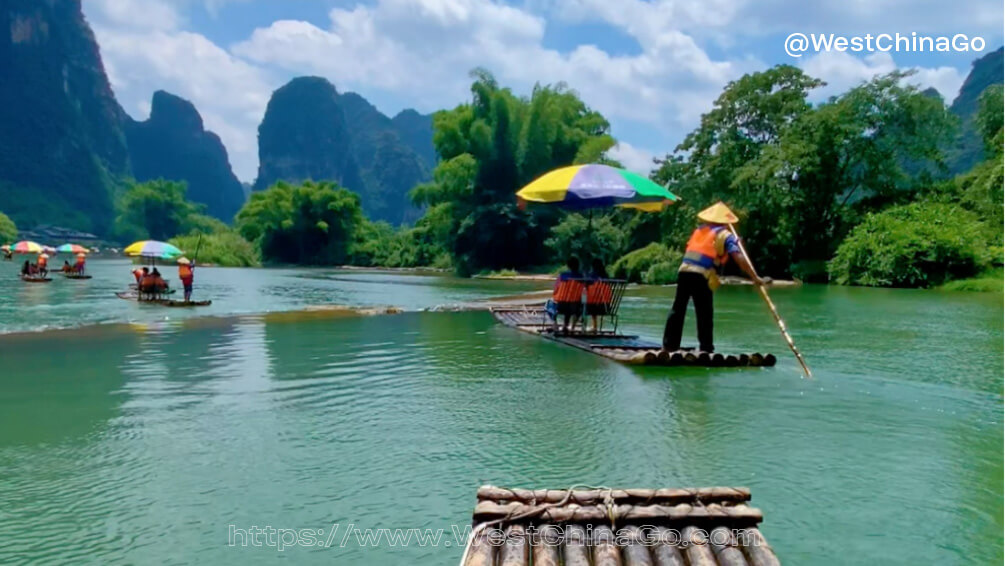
(992, 281)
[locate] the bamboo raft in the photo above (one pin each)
(133, 296)
(622, 348)
(36, 279)
(708, 526)
(76, 276)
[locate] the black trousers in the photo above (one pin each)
(690, 286)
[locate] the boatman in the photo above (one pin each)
(43, 262)
(710, 247)
(186, 272)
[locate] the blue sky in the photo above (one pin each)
(651, 66)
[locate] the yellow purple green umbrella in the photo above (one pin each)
(580, 187)
(152, 249)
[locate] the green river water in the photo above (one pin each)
(149, 442)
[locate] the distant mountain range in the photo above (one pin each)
(67, 148)
(310, 131)
(968, 149)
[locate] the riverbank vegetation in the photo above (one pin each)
(854, 190)
(8, 231)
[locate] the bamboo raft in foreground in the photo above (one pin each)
(622, 348)
(617, 527)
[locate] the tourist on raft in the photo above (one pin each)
(186, 272)
(152, 282)
(598, 292)
(709, 248)
(67, 268)
(27, 270)
(567, 296)
(139, 274)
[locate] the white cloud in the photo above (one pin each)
(136, 14)
(633, 158)
(420, 51)
(842, 71)
(423, 50)
(229, 93)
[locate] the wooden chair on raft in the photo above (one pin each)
(583, 299)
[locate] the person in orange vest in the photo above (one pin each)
(709, 248)
(78, 267)
(139, 274)
(43, 261)
(186, 272)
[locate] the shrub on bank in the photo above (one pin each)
(226, 248)
(915, 245)
(661, 273)
(640, 266)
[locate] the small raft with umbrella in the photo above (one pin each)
(587, 187)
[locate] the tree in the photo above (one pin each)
(491, 147)
(155, 209)
(8, 231)
(801, 176)
(311, 223)
(586, 239)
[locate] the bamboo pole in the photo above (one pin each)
(771, 307)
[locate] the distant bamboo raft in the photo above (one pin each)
(620, 347)
(616, 527)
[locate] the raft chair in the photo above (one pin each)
(603, 299)
(568, 297)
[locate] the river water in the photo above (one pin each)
(160, 440)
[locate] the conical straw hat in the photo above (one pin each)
(718, 213)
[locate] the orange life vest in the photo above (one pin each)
(42, 261)
(568, 291)
(701, 249)
(184, 271)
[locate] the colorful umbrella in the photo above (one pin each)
(596, 186)
(71, 249)
(26, 247)
(49, 249)
(5, 247)
(152, 249)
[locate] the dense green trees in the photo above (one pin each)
(800, 176)
(914, 245)
(157, 210)
(311, 223)
(491, 147)
(8, 231)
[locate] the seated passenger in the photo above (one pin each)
(66, 267)
(160, 285)
(568, 294)
(598, 293)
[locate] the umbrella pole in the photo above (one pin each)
(774, 311)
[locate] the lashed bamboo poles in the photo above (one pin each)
(771, 307)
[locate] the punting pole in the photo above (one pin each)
(774, 311)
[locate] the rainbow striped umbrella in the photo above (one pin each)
(72, 249)
(580, 187)
(152, 249)
(26, 247)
